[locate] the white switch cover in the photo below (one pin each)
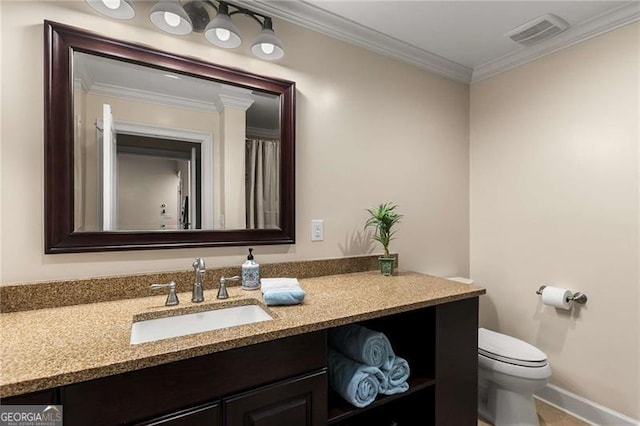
(317, 230)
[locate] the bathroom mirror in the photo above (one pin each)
(146, 149)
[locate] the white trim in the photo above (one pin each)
(108, 168)
(206, 143)
(234, 102)
(311, 17)
(151, 97)
(582, 408)
(608, 21)
(192, 190)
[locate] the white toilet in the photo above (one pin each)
(509, 372)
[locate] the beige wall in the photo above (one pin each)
(369, 130)
(554, 200)
(79, 151)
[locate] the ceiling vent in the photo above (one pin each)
(538, 29)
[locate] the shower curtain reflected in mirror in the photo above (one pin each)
(263, 183)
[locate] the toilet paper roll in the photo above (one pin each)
(557, 297)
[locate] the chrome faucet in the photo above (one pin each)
(199, 269)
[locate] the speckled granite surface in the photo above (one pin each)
(51, 294)
(57, 346)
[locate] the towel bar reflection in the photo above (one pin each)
(577, 297)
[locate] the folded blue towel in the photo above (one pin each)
(357, 383)
(363, 345)
(284, 296)
(397, 377)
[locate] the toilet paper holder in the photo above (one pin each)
(577, 297)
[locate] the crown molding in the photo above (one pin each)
(311, 17)
(596, 26)
(241, 103)
(151, 97)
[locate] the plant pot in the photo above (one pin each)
(386, 265)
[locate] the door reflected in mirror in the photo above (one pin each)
(156, 150)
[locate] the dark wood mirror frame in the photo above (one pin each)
(60, 236)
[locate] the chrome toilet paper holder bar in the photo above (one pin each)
(577, 297)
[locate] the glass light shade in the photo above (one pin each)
(222, 32)
(169, 16)
(118, 9)
(267, 45)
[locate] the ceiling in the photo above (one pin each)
(463, 40)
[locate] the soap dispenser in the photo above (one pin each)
(250, 273)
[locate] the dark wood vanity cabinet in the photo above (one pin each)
(169, 392)
(284, 382)
(300, 401)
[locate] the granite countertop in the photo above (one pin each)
(57, 346)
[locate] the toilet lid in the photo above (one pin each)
(509, 349)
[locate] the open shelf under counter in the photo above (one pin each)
(340, 410)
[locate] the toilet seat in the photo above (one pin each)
(502, 348)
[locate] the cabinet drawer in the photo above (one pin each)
(297, 402)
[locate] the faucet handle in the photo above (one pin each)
(222, 291)
(172, 297)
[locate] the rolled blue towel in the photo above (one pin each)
(357, 383)
(283, 296)
(397, 377)
(363, 345)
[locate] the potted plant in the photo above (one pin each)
(383, 218)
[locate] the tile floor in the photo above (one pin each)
(550, 416)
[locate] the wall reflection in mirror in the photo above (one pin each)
(157, 150)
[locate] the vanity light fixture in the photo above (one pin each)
(170, 16)
(267, 45)
(221, 31)
(183, 17)
(118, 9)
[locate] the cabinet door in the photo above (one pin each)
(204, 415)
(296, 402)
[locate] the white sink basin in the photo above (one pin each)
(155, 329)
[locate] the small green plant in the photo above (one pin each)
(383, 219)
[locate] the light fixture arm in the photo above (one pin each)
(223, 7)
(249, 13)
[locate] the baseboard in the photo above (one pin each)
(582, 408)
